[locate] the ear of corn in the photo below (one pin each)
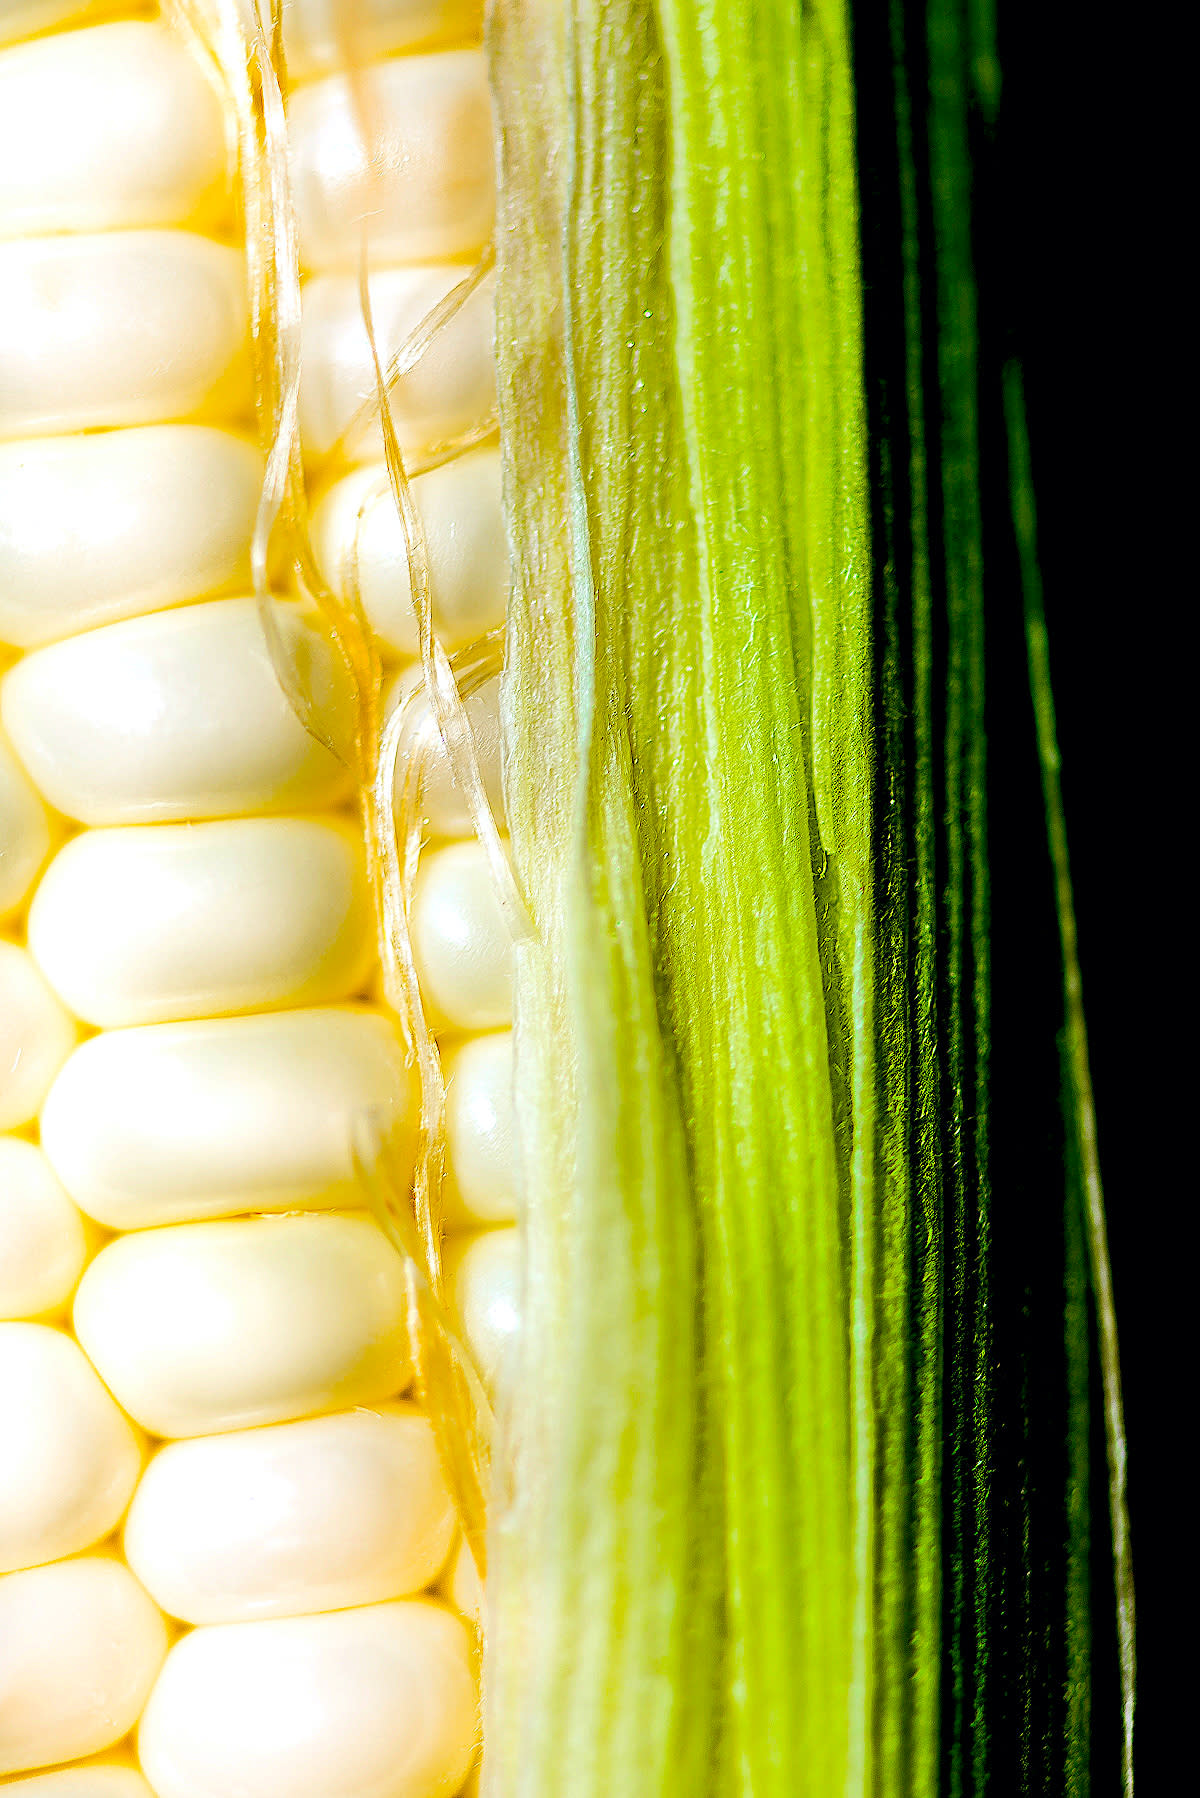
(789, 1490)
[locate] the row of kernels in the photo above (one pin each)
(376, 1699)
(94, 317)
(88, 343)
(294, 1518)
(127, 103)
(194, 1327)
(99, 331)
(112, 735)
(177, 715)
(256, 1665)
(130, 328)
(122, 328)
(120, 523)
(262, 1104)
(101, 527)
(240, 1286)
(210, 1118)
(149, 924)
(413, 111)
(98, 528)
(167, 1123)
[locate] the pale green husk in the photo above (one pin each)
(682, 1538)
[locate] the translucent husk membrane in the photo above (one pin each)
(242, 42)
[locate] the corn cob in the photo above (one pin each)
(222, 1525)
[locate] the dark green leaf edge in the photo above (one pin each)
(1079, 1099)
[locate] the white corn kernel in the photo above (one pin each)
(83, 1644)
(461, 945)
(106, 129)
(36, 1036)
(377, 1702)
(318, 33)
(481, 1173)
(449, 391)
(122, 328)
(70, 1459)
(459, 507)
(174, 1122)
(91, 1779)
(427, 189)
(483, 1275)
(24, 832)
(118, 523)
(443, 806)
(178, 715)
(297, 1518)
(149, 923)
(218, 1326)
(43, 1243)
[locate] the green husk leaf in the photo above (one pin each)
(792, 1468)
(688, 1464)
(1086, 1217)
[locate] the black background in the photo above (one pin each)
(1080, 222)
(1093, 231)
